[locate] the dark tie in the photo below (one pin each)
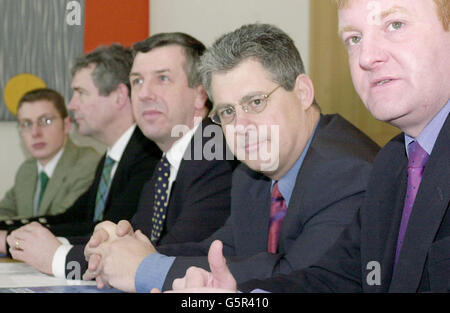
(161, 198)
(103, 189)
(277, 213)
(418, 158)
(44, 180)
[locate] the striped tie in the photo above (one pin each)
(103, 189)
(161, 198)
(277, 214)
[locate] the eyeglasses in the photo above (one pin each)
(42, 122)
(226, 114)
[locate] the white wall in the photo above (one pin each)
(11, 155)
(208, 19)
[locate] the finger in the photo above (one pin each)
(17, 254)
(179, 283)
(218, 265)
(99, 236)
(155, 290)
(100, 284)
(94, 262)
(196, 277)
(15, 243)
(88, 275)
(124, 228)
(141, 237)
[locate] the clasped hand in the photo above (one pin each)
(114, 253)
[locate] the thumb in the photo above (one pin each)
(141, 237)
(124, 228)
(221, 275)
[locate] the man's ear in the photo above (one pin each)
(67, 125)
(304, 89)
(201, 97)
(122, 97)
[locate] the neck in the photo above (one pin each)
(311, 120)
(111, 134)
(166, 143)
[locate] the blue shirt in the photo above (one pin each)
(427, 138)
(153, 270)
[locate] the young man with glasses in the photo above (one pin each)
(303, 178)
(58, 171)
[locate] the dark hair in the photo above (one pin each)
(112, 67)
(193, 50)
(45, 94)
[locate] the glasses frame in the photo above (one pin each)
(42, 122)
(245, 107)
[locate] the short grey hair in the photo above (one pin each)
(265, 43)
(112, 67)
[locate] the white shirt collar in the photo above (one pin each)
(49, 168)
(176, 152)
(115, 152)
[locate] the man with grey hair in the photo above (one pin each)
(101, 106)
(400, 239)
(304, 174)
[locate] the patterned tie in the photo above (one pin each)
(103, 189)
(161, 198)
(418, 158)
(277, 213)
(44, 180)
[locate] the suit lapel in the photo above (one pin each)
(382, 210)
(125, 163)
(429, 208)
(259, 213)
(58, 177)
(29, 184)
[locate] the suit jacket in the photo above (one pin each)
(72, 176)
(134, 169)
(199, 201)
(329, 189)
(424, 261)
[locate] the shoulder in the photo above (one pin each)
(337, 138)
(29, 165)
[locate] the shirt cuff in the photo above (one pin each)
(152, 272)
(59, 258)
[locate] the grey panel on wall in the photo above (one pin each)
(36, 38)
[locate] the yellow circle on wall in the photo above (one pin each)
(18, 86)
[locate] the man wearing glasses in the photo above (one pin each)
(303, 178)
(59, 171)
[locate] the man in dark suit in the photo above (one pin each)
(102, 109)
(400, 239)
(319, 165)
(192, 199)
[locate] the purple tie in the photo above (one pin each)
(418, 157)
(277, 213)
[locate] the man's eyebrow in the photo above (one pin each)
(165, 70)
(394, 9)
(242, 100)
(347, 29)
(383, 15)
